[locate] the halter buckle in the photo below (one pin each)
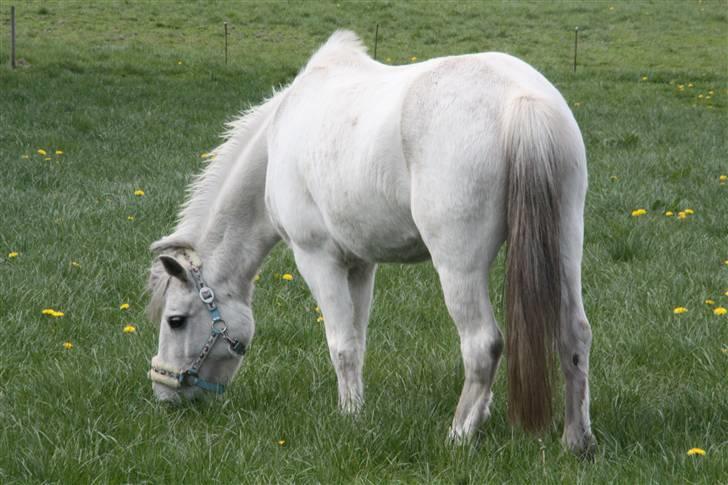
(207, 295)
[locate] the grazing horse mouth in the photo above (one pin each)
(165, 374)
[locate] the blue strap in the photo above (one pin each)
(210, 386)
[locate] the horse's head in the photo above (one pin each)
(204, 328)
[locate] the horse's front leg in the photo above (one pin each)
(344, 294)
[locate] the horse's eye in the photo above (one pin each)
(176, 321)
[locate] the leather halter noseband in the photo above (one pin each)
(168, 375)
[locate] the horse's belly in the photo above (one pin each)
(383, 236)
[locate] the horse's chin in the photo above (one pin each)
(170, 395)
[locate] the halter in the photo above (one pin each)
(176, 378)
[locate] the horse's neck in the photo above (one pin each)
(238, 234)
(225, 218)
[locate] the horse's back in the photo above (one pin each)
(353, 146)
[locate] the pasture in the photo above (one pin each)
(109, 115)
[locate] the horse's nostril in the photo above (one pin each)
(176, 321)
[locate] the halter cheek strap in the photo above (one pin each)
(170, 376)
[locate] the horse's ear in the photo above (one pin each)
(173, 267)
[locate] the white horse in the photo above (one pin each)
(357, 163)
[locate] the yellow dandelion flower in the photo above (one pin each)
(680, 87)
(388, 60)
(638, 212)
(52, 313)
(317, 309)
(257, 277)
(320, 319)
(644, 78)
(700, 96)
(678, 310)
(723, 179)
(696, 451)
(726, 293)
(129, 329)
(57, 314)
(281, 442)
(413, 58)
(669, 214)
(689, 212)
(690, 85)
(613, 178)
(59, 152)
(720, 311)
(179, 63)
(130, 218)
(287, 277)
(75, 264)
(205, 155)
(42, 152)
(709, 302)
(124, 306)
(681, 215)
(711, 92)
(67, 345)
(139, 192)
(13, 254)
(47, 159)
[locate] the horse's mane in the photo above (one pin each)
(342, 48)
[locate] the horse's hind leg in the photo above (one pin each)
(462, 251)
(575, 335)
(344, 294)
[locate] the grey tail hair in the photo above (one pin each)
(533, 267)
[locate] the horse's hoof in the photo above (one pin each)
(584, 448)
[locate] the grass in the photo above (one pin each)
(134, 92)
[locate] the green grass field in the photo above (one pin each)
(133, 93)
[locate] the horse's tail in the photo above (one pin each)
(533, 141)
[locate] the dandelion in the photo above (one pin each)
(205, 155)
(124, 306)
(720, 311)
(690, 85)
(317, 309)
(689, 212)
(67, 345)
(47, 159)
(669, 213)
(678, 310)
(700, 96)
(13, 254)
(644, 78)
(139, 192)
(388, 60)
(257, 277)
(281, 442)
(130, 218)
(413, 58)
(681, 215)
(179, 63)
(711, 92)
(723, 179)
(709, 302)
(52, 313)
(613, 178)
(696, 451)
(42, 152)
(638, 212)
(129, 329)
(75, 264)
(681, 87)
(287, 277)
(320, 319)
(59, 152)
